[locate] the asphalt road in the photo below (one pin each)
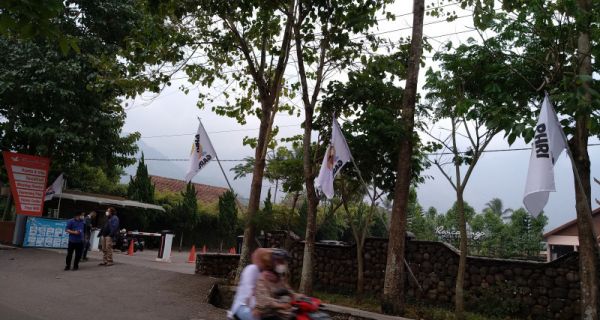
(33, 286)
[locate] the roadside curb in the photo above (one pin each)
(358, 314)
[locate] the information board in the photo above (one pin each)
(45, 233)
(28, 177)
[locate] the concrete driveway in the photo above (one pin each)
(33, 286)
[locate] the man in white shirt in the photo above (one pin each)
(244, 300)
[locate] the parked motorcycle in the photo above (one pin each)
(124, 240)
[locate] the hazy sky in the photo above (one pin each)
(172, 115)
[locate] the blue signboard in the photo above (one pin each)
(45, 233)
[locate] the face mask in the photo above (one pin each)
(106, 213)
(281, 268)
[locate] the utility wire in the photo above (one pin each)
(428, 154)
(214, 132)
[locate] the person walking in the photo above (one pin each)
(75, 230)
(88, 225)
(108, 233)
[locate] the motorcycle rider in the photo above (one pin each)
(272, 281)
(244, 300)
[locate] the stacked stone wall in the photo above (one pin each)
(494, 286)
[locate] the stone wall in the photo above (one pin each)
(493, 286)
(219, 265)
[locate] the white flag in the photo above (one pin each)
(337, 155)
(202, 152)
(55, 188)
(547, 146)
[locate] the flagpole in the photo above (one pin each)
(220, 166)
(335, 123)
(59, 199)
(573, 165)
(216, 156)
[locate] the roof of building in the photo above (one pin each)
(569, 224)
(204, 193)
(105, 200)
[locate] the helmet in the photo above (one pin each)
(280, 254)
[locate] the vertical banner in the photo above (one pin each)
(28, 176)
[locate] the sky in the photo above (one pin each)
(167, 123)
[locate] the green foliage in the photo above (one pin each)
(299, 221)
(534, 49)
(185, 213)
(141, 188)
(516, 236)
(66, 104)
(331, 227)
(369, 98)
(228, 218)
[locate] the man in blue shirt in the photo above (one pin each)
(75, 230)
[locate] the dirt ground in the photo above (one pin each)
(34, 286)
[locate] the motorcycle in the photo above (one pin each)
(124, 240)
(308, 308)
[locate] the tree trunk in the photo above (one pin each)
(393, 288)
(360, 279)
(249, 243)
(6, 215)
(180, 241)
(306, 279)
(294, 204)
(588, 247)
(459, 302)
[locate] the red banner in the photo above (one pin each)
(28, 176)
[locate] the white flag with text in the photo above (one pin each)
(202, 152)
(547, 146)
(337, 155)
(55, 188)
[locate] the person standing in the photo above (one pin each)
(108, 233)
(75, 230)
(89, 224)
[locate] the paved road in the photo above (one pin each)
(33, 286)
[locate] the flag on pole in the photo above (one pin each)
(337, 155)
(55, 188)
(549, 142)
(202, 152)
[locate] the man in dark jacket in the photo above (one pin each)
(75, 230)
(108, 233)
(88, 227)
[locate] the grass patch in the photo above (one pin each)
(413, 311)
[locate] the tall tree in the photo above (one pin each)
(536, 43)
(66, 104)
(454, 100)
(322, 31)
(368, 100)
(141, 187)
(393, 288)
(497, 207)
(228, 218)
(246, 43)
(186, 212)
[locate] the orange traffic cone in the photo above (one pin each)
(233, 250)
(130, 251)
(192, 257)
(204, 249)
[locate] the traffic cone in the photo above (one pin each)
(192, 257)
(130, 251)
(204, 249)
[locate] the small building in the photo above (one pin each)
(564, 239)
